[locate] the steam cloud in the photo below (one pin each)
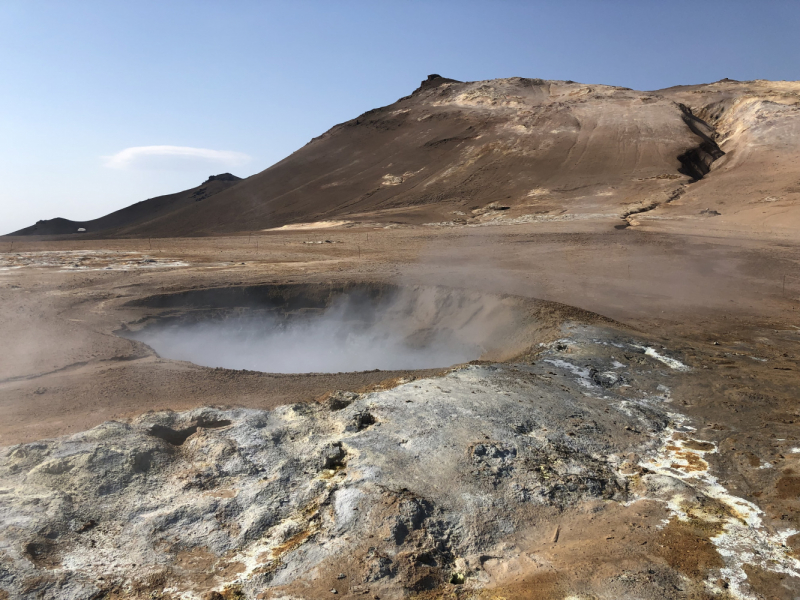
(353, 334)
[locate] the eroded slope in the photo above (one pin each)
(452, 149)
(755, 186)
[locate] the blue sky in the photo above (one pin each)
(89, 88)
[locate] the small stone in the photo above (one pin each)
(333, 591)
(341, 576)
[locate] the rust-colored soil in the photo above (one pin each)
(687, 549)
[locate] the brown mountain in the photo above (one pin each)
(523, 150)
(135, 215)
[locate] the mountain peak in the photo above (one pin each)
(222, 177)
(435, 80)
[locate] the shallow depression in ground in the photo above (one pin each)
(355, 332)
(318, 345)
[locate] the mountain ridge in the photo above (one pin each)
(134, 214)
(451, 151)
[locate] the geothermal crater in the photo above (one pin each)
(324, 329)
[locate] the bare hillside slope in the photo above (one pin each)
(720, 155)
(755, 186)
(139, 214)
(538, 147)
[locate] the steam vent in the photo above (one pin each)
(507, 339)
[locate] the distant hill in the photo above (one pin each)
(517, 148)
(121, 221)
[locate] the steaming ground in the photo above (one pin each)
(327, 331)
(658, 457)
(333, 342)
(478, 481)
(607, 463)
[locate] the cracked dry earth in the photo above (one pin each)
(569, 473)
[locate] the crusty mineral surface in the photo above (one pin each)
(477, 484)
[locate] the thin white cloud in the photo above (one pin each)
(173, 158)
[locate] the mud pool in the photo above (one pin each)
(313, 345)
(359, 329)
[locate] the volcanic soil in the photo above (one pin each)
(638, 439)
(719, 303)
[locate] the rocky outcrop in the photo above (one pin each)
(433, 81)
(222, 177)
(696, 162)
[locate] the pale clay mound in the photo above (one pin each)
(433, 485)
